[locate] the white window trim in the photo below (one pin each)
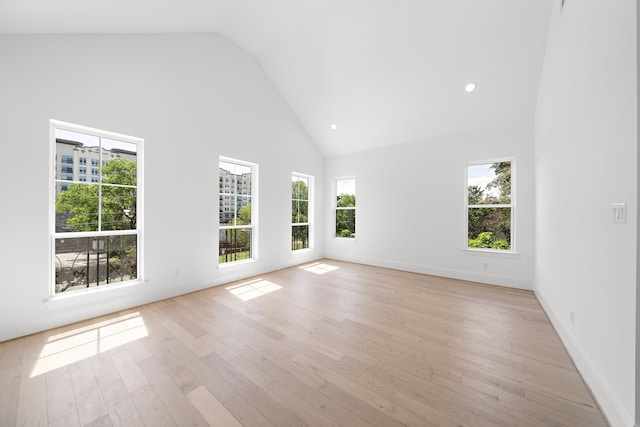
(466, 247)
(254, 213)
(335, 208)
(310, 213)
(57, 124)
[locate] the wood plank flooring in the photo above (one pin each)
(324, 344)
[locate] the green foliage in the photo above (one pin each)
(490, 227)
(345, 222)
(502, 181)
(244, 215)
(299, 190)
(488, 241)
(299, 214)
(80, 201)
(475, 194)
(346, 200)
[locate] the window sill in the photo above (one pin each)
(91, 291)
(491, 252)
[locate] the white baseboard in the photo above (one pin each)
(442, 272)
(606, 398)
(73, 309)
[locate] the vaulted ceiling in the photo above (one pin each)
(383, 71)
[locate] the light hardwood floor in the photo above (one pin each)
(323, 344)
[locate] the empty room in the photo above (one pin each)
(319, 212)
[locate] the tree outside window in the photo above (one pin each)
(95, 228)
(235, 212)
(346, 208)
(489, 206)
(299, 212)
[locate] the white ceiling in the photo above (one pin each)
(385, 71)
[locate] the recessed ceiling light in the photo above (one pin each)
(334, 126)
(470, 87)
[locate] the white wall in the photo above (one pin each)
(586, 160)
(192, 98)
(410, 206)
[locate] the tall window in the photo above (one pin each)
(237, 222)
(95, 225)
(346, 207)
(301, 211)
(490, 207)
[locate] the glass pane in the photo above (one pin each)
(122, 258)
(299, 188)
(295, 208)
(346, 223)
(226, 210)
(489, 184)
(346, 192)
(93, 261)
(295, 188)
(303, 212)
(118, 208)
(119, 162)
(489, 228)
(299, 237)
(76, 207)
(243, 184)
(243, 216)
(72, 150)
(235, 245)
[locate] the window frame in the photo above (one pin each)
(511, 206)
(310, 210)
(254, 210)
(53, 235)
(336, 208)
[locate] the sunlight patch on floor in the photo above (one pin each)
(253, 289)
(319, 268)
(81, 343)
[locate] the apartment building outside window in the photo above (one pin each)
(95, 226)
(237, 210)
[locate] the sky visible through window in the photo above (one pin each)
(346, 186)
(94, 141)
(481, 175)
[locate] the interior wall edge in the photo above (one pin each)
(610, 405)
(450, 273)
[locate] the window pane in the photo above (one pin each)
(346, 223)
(489, 184)
(299, 188)
(92, 261)
(120, 170)
(489, 228)
(76, 207)
(243, 216)
(299, 237)
(113, 150)
(346, 192)
(303, 212)
(118, 208)
(226, 209)
(235, 245)
(295, 209)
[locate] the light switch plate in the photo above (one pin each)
(619, 212)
